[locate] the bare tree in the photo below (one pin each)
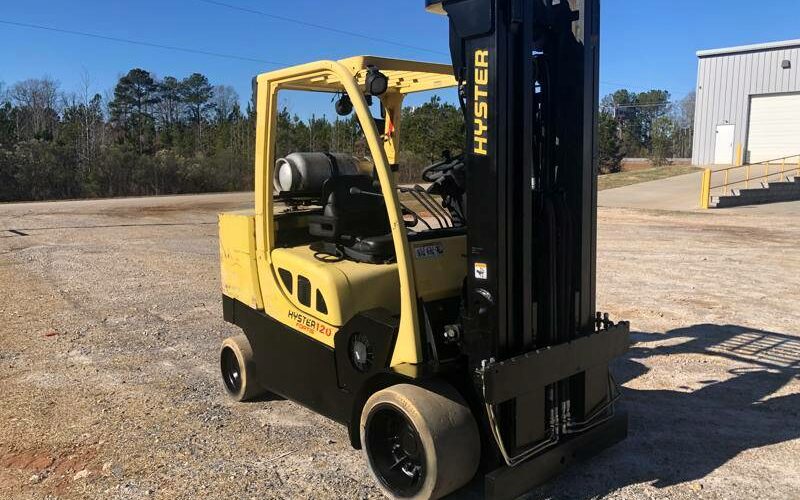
(83, 120)
(37, 100)
(170, 105)
(683, 117)
(225, 99)
(92, 117)
(686, 109)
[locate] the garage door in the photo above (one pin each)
(774, 129)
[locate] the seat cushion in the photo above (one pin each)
(375, 250)
(377, 246)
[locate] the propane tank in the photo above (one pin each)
(307, 172)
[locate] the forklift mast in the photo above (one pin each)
(528, 84)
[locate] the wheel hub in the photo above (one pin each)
(396, 451)
(231, 371)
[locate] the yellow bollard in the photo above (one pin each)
(705, 189)
(783, 170)
(739, 155)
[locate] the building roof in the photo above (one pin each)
(759, 47)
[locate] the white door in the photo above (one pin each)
(723, 150)
(774, 128)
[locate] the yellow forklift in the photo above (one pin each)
(452, 328)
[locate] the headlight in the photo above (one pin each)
(361, 354)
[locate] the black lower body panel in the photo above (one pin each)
(508, 483)
(321, 378)
(291, 364)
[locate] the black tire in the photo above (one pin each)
(419, 443)
(238, 369)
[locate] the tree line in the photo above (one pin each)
(167, 135)
(155, 136)
(644, 125)
(151, 136)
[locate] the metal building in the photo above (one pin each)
(748, 100)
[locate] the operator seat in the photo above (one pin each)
(354, 224)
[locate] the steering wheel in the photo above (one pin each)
(436, 171)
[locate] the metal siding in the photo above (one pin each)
(702, 113)
(699, 112)
(743, 64)
(779, 73)
(697, 103)
(761, 75)
(725, 84)
(745, 73)
(706, 114)
(724, 78)
(775, 70)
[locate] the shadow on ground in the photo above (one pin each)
(679, 436)
(683, 435)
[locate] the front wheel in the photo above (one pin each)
(419, 443)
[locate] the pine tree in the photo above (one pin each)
(609, 144)
(196, 93)
(135, 98)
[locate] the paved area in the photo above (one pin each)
(682, 193)
(110, 323)
(675, 193)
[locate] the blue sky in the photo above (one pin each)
(645, 43)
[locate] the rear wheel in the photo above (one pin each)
(420, 443)
(238, 369)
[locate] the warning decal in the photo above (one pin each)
(481, 271)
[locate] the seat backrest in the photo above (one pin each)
(362, 214)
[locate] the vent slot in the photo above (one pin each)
(304, 290)
(286, 277)
(321, 305)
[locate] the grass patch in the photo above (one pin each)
(611, 181)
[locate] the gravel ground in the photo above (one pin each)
(110, 322)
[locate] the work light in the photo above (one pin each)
(377, 83)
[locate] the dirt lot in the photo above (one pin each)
(110, 323)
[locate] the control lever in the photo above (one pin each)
(357, 191)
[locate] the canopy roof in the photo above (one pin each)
(405, 77)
